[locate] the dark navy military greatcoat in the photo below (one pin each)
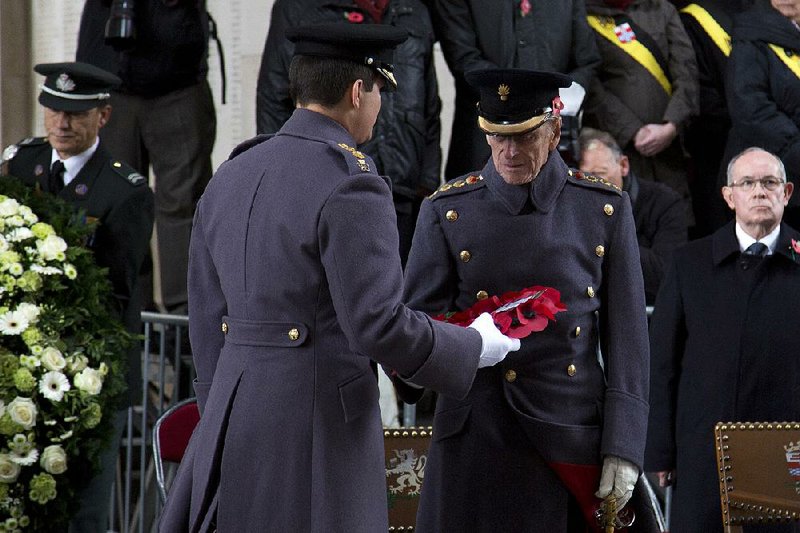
(552, 401)
(294, 289)
(118, 197)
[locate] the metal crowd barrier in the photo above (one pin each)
(167, 374)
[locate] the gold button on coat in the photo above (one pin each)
(452, 215)
(571, 370)
(482, 295)
(294, 334)
(511, 376)
(577, 331)
(590, 291)
(600, 250)
(608, 209)
(465, 256)
(224, 327)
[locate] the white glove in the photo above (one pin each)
(617, 479)
(495, 344)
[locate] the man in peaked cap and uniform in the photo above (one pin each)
(548, 433)
(294, 290)
(71, 163)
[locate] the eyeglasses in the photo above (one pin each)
(748, 185)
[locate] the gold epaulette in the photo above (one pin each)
(361, 159)
(580, 176)
(457, 185)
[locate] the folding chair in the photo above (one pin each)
(762, 460)
(405, 452)
(171, 434)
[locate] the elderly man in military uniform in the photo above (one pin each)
(295, 289)
(543, 437)
(71, 163)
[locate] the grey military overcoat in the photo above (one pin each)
(552, 401)
(294, 287)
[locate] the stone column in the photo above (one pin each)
(15, 64)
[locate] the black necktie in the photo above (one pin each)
(55, 181)
(754, 253)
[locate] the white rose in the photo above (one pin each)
(15, 221)
(28, 214)
(19, 234)
(89, 381)
(22, 412)
(9, 470)
(29, 311)
(54, 460)
(9, 207)
(51, 247)
(52, 359)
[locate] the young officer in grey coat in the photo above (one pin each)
(294, 294)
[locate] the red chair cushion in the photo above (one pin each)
(176, 430)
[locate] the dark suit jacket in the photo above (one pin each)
(724, 347)
(118, 197)
(660, 217)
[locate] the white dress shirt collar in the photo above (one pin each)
(746, 240)
(74, 164)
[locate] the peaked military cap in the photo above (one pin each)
(371, 45)
(74, 86)
(516, 101)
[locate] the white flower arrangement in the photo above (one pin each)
(60, 367)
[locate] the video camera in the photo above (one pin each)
(120, 28)
(571, 118)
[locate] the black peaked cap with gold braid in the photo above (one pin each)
(515, 101)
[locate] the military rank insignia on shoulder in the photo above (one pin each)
(11, 151)
(357, 161)
(595, 182)
(458, 185)
(128, 173)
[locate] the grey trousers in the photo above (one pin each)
(175, 134)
